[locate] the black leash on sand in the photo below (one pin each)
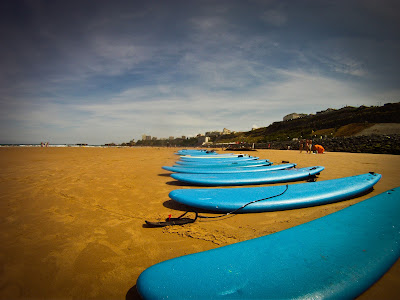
(181, 221)
(173, 221)
(312, 178)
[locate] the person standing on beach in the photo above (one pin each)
(301, 145)
(310, 146)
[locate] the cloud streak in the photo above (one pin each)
(143, 110)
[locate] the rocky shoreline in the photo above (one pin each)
(378, 144)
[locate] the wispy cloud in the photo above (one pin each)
(194, 111)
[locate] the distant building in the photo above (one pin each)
(293, 116)
(203, 139)
(146, 137)
(183, 137)
(226, 131)
(254, 127)
(171, 138)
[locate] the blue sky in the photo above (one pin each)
(109, 71)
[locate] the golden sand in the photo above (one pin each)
(72, 218)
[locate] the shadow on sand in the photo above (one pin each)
(164, 174)
(171, 204)
(180, 183)
(132, 294)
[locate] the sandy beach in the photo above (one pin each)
(72, 219)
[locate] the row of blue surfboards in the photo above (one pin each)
(336, 256)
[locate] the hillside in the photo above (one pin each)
(347, 121)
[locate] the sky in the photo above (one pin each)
(98, 72)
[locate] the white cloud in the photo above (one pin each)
(159, 111)
(198, 110)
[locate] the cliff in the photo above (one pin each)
(344, 122)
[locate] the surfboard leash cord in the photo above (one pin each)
(312, 178)
(236, 210)
(182, 221)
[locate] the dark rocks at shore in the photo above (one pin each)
(379, 144)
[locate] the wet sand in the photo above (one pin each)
(72, 218)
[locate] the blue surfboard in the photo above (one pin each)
(214, 158)
(248, 178)
(193, 153)
(223, 170)
(295, 196)
(225, 155)
(196, 152)
(338, 256)
(252, 163)
(220, 163)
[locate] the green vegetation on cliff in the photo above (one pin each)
(346, 121)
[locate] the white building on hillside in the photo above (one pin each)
(226, 131)
(293, 116)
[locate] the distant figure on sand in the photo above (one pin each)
(319, 149)
(301, 145)
(309, 146)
